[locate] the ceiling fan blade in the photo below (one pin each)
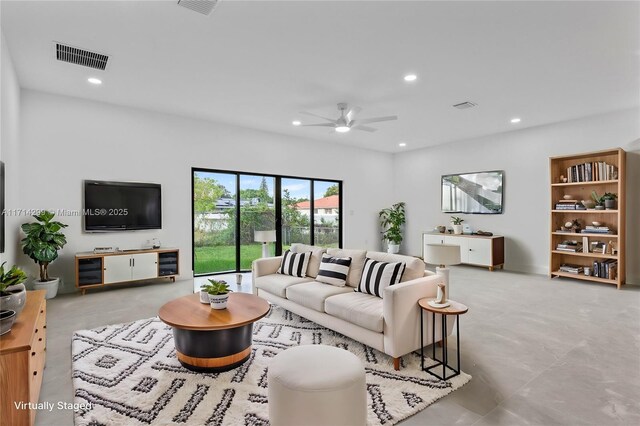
(319, 125)
(365, 128)
(352, 112)
(375, 119)
(319, 116)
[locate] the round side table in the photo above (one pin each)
(454, 308)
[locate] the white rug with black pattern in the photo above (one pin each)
(128, 374)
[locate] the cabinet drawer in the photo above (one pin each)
(36, 367)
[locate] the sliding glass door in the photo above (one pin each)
(233, 213)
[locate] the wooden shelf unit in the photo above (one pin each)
(614, 219)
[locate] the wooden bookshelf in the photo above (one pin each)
(615, 219)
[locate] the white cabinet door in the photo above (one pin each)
(145, 266)
(459, 241)
(117, 269)
(479, 251)
(433, 239)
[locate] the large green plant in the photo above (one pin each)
(392, 219)
(11, 277)
(43, 240)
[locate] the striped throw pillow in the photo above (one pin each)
(376, 276)
(334, 270)
(294, 264)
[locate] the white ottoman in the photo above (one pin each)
(317, 385)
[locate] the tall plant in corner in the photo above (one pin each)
(392, 219)
(42, 242)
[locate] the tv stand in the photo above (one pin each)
(95, 270)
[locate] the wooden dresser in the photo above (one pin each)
(22, 355)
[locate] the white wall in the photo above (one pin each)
(9, 136)
(67, 140)
(524, 156)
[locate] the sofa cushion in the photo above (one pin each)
(415, 267)
(277, 284)
(377, 276)
(357, 263)
(294, 264)
(357, 308)
(316, 256)
(334, 270)
(313, 294)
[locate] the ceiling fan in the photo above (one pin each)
(346, 121)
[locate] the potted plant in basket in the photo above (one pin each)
(609, 200)
(392, 219)
(13, 294)
(456, 223)
(42, 242)
(218, 294)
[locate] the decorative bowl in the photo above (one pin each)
(596, 223)
(589, 204)
(6, 321)
(567, 197)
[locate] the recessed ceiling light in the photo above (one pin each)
(94, 80)
(342, 129)
(515, 120)
(296, 123)
(410, 77)
(402, 144)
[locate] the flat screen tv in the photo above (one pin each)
(479, 193)
(121, 206)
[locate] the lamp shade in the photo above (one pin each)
(264, 236)
(442, 254)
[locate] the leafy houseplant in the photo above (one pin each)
(392, 219)
(42, 242)
(218, 291)
(599, 200)
(609, 200)
(11, 277)
(456, 223)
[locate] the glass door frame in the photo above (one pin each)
(277, 190)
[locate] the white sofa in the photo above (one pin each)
(390, 324)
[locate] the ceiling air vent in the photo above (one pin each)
(77, 56)
(465, 105)
(201, 6)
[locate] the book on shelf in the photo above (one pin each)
(605, 269)
(596, 230)
(569, 246)
(572, 269)
(592, 172)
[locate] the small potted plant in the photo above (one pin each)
(204, 293)
(13, 294)
(598, 200)
(456, 223)
(609, 200)
(42, 242)
(218, 294)
(392, 219)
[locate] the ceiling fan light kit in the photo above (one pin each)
(346, 121)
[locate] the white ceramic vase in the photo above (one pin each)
(51, 286)
(218, 301)
(457, 229)
(204, 297)
(393, 248)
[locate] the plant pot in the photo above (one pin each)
(599, 207)
(457, 229)
(204, 297)
(218, 301)
(610, 204)
(6, 321)
(393, 248)
(15, 300)
(51, 286)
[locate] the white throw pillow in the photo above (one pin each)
(294, 264)
(334, 270)
(376, 276)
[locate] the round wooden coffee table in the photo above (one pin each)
(211, 340)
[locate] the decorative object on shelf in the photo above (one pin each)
(612, 248)
(391, 220)
(596, 223)
(7, 319)
(484, 233)
(441, 229)
(589, 204)
(563, 179)
(587, 271)
(456, 223)
(598, 200)
(567, 197)
(467, 229)
(572, 226)
(442, 255)
(441, 298)
(42, 242)
(218, 294)
(13, 294)
(265, 237)
(610, 200)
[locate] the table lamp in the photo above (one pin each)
(442, 255)
(265, 237)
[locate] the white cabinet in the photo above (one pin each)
(128, 267)
(474, 249)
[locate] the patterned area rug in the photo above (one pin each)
(130, 376)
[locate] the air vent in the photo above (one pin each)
(78, 56)
(201, 6)
(465, 105)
